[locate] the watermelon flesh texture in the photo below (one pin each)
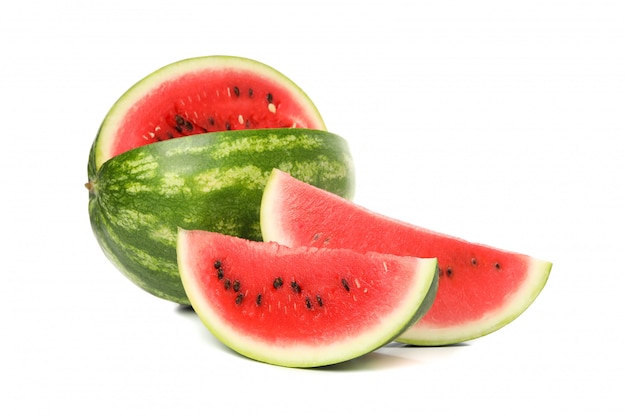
(481, 288)
(201, 95)
(301, 307)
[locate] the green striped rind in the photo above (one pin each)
(212, 181)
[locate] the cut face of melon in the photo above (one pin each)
(301, 307)
(481, 288)
(200, 95)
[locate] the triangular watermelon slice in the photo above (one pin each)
(301, 307)
(481, 288)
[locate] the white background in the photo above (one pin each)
(499, 122)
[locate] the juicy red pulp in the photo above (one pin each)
(474, 279)
(209, 101)
(294, 294)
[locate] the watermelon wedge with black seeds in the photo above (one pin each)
(301, 307)
(481, 288)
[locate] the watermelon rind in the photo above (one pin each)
(285, 218)
(213, 181)
(365, 335)
(515, 305)
(151, 84)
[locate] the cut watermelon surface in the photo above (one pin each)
(481, 288)
(200, 95)
(301, 307)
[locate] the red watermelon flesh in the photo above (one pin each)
(301, 307)
(481, 288)
(200, 95)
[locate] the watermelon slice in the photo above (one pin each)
(481, 288)
(301, 307)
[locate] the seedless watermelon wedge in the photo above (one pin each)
(481, 288)
(301, 307)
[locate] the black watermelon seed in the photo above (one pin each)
(236, 285)
(307, 301)
(217, 264)
(179, 120)
(296, 287)
(220, 273)
(474, 261)
(250, 92)
(344, 282)
(236, 90)
(259, 298)
(449, 271)
(239, 298)
(227, 284)
(278, 282)
(270, 97)
(211, 121)
(497, 265)
(319, 300)
(227, 125)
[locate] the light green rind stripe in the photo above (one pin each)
(270, 142)
(215, 179)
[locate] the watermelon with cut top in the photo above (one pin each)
(192, 145)
(481, 288)
(301, 307)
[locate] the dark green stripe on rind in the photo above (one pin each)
(211, 182)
